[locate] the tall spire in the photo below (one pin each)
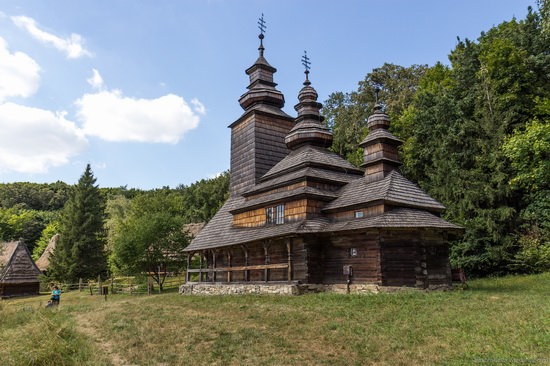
(380, 156)
(309, 128)
(261, 88)
(262, 26)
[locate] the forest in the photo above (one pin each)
(476, 137)
(476, 134)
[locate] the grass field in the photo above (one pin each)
(494, 321)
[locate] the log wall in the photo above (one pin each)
(257, 144)
(337, 253)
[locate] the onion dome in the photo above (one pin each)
(262, 88)
(309, 128)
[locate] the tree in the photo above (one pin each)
(347, 113)
(152, 239)
(80, 250)
(49, 231)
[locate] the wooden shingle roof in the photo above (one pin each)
(311, 156)
(396, 218)
(301, 192)
(394, 189)
(220, 233)
(307, 173)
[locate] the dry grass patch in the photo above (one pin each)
(496, 319)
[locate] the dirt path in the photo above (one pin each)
(86, 327)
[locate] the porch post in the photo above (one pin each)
(246, 263)
(214, 266)
(187, 274)
(266, 252)
(201, 255)
(289, 250)
(229, 273)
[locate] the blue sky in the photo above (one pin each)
(144, 90)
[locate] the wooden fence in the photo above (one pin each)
(118, 285)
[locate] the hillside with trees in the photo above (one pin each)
(35, 212)
(476, 137)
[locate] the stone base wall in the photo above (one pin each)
(238, 289)
(288, 289)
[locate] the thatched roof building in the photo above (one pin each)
(299, 213)
(44, 261)
(18, 272)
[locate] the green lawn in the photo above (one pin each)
(494, 321)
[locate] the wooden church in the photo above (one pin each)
(18, 273)
(301, 215)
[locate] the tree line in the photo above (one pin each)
(107, 230)
(476, 137)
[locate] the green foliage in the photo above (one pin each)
(347, 113)
(529, 155)
(17, 223)
(201, 200)
(34, 196)
(79, 252)
(476, 138)
(151, 237)
(49, 231)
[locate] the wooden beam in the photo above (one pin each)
(242, 268)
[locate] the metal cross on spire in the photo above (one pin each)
(376, 94)
(305, 62)
(261, 25)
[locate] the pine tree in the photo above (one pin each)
(80, 250)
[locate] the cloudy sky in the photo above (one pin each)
(144, 90)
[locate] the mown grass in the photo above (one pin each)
(504, 321)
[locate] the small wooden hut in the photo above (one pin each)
(301, 214)
(18, 272)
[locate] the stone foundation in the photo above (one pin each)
(286, 289)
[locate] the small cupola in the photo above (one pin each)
(309, 128)
(380, 155)
(262, 88)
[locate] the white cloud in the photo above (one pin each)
(72, 46)
(18, 73)
(111, 116)
(33, 140)
(198, 106)
(96, 81)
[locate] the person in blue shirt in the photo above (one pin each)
(56, 295)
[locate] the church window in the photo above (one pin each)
(280, 214)
(275, 215)
(269, 218)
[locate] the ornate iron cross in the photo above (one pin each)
(261, 24)
(305, 61)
